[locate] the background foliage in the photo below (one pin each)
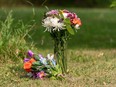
(12, 38)
(69, 3)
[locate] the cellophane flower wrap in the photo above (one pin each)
(60, 24)
(38, 67)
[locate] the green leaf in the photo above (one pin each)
(38, 63)
(67, 21)
(37, 57)
(70, 30)
(53, 78)
(68, 27)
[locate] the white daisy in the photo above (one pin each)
(52, 24)
(50, 57)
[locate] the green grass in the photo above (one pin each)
(87, 68)
(91, 54)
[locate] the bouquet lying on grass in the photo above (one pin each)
(38, 66)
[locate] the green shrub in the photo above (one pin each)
(12, 38)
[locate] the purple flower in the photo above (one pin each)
(52, 12)
(42, 59)
(30, 53)
(26, 60)
(34, 75)
(40, 56)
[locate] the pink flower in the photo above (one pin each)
(66, 11)
(72, 15)
(52, 12)
(41, 74)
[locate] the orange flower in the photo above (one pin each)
(27, 65)
(76, 21)
(32, 60)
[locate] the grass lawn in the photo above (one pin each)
(88, 68)
(91, 53)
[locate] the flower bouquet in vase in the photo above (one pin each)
(60, 24)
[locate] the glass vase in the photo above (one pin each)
(60, 48)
